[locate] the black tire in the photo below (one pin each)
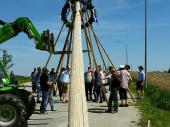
(28, 100)
(12, 111)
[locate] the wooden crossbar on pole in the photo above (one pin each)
(67, 52)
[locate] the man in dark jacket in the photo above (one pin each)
(114, 88)
(45, 86)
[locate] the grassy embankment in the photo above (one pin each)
(156, 104)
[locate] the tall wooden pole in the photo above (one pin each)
(78, 116)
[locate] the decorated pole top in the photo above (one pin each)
(86, 7)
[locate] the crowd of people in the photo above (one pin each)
(118, 81)
(45, 82)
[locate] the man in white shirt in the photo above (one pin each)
(88, 76)
(64, 80)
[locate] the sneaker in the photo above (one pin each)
(121, 105)
(43, 112)
(108, 111)
(94, 100)
(115, 111)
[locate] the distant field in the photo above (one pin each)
(157, 78)
(23, 79)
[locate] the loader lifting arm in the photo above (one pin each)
(44, 41)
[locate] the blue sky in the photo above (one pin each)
(118, 21)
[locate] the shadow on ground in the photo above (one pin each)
(42, 119)
(97, 110)
(39, 124)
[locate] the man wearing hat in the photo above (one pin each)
(140, 82)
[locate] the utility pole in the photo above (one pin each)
(126, 50)
(78, 115)
(146, 43)
(126, 54)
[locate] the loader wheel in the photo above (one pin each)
(12, 111)
(28, 100)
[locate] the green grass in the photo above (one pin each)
(155, 107)
(23, 79)
(149, 111)
(161, 98)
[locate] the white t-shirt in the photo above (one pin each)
(64, 77)
(102, 75)
(88, 77)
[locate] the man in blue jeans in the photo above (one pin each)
(45, 86)
(99, 78)
(114, 88)
(51, 99)
(37, 83)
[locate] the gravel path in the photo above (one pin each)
(126, 117)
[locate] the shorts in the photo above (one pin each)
(139, 85)
(123, 94)
(64, 87)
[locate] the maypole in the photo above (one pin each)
(78, 116)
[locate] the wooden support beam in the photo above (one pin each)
(131, 95)
(78, 116)
(67, 52)
(89, 41)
